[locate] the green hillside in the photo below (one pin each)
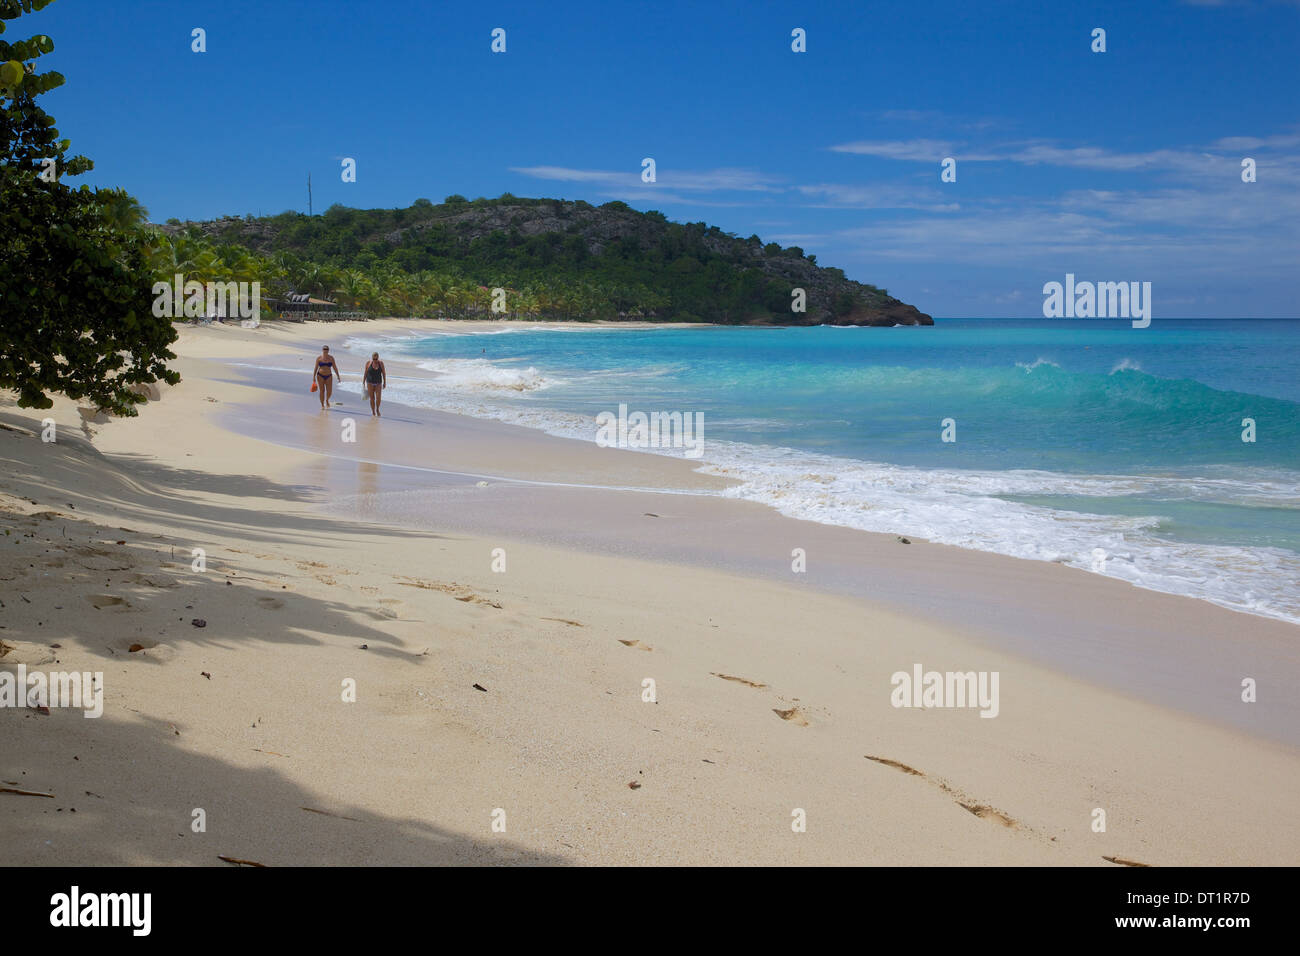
(556, 259)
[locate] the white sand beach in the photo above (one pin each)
(519, 696)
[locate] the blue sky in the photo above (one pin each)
(1123, 165)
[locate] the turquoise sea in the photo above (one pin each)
(1087, 442)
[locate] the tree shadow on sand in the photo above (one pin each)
(126, 792)
(142, 490)
(125, 786)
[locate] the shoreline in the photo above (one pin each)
(1139, 641)
(1021, 512)
(771, 694)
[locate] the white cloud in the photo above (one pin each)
(915, 150)
(1187, 161)
(1186, 234)
(714, 180)
(877, 196)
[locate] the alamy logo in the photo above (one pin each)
(212, 300)
(55, 689)
(1101, 300)
(946, 689)
(655, 430)
(103, 909)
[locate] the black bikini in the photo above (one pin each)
(374, 374)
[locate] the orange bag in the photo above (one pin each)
(313, 385)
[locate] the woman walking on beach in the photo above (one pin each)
(376, 381)
(326, 369)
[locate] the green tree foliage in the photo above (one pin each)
(76, 265)
(556, 259)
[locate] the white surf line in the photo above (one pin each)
(466, 474)
(704, 493)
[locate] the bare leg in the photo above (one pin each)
(329, 389)
(370, 392)
(379, 398)
(320, 387)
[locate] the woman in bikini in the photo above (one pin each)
(376, 380)
(326, 369)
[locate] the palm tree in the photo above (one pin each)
(122, 211)
(407, 292)
(433, 288)
(351, 287)
(388, 282)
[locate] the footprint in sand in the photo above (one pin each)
(981, 810)
(143, 648)
(794, 715)
(985, 812)
(157, 581)
(388, 611)
(21, 652)
(96, 559)
(739, 680)
(897, 766)
(270, 603)
(100, 601)
(637, 644)
(458, 591)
